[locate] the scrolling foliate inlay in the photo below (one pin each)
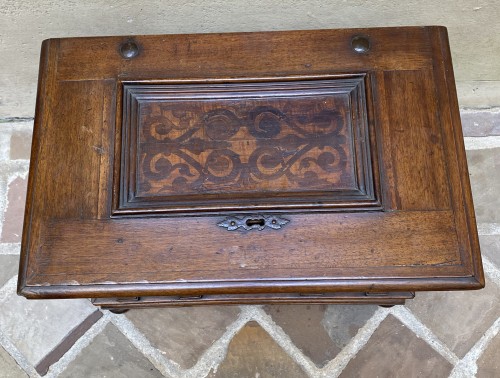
(205, 147)
(287, 144)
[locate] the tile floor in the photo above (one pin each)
(435, 335)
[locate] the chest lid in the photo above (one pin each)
(326, 160)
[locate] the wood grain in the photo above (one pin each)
(244, 55)
(381, 298)
(453, 141)
(267, 144)
(318, 245)
(416, 145)
(86, 234)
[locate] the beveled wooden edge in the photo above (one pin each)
(249, 287)
(447, 93)
(364, 31)
(46, 80)
(382, 298)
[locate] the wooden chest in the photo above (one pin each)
(322, 166)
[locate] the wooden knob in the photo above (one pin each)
(360, 44)
(129, 50)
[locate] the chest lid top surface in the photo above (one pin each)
(300, 161)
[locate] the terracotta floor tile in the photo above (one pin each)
(458, 318)
(183, 334)
(8, 366)
(489, 362)
(484, 168)
(253, 353)
(395, 351)
(13, 218)
(320, 331)
(110, 355)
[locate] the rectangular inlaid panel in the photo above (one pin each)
(262, 144)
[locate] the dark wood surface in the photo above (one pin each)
(191, 148)
(384, 299)
(244, 167)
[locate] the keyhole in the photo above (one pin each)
(253, 222)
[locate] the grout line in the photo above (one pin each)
(217, 352)
(9, 288)
(166, 367)
(10, 248)
(56, 369)
(491, 109)
(5, 138)
(16, 119)
(335, 367)
(486, 229)
(423, 332)
(481, 143)
(10, 128)
(463, 370)
(208, 361)
(284, 341)
(3, 200)
(491, 271)
(15, 168)
(467, 367)
(23, 363)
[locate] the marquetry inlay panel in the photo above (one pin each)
(282, 142)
